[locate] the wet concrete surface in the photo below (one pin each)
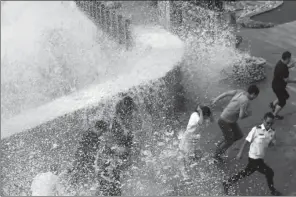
(282, 158)
(283, 14)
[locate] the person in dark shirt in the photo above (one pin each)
(279, 83)
(86, 151)
(115, 155)
(122, 125)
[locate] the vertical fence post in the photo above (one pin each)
(103, 21)
(113, 24)
(120, 29)
(108, 22)
(99, 14)
(128, 41)
(97, 7)
(87, 3)
(93, 9)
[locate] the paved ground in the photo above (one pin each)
(269, 44)
(283, 14)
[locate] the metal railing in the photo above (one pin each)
(112, 23)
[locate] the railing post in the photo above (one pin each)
(128, 41)
(120, 29)
(93, 9)
(87, 3)
(98, 13)
(103, 21)
(113, 24)
(108, 22)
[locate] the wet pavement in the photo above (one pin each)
(283, 14)
(282, 158)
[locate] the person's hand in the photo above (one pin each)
(238, 156)
(213, 102)
(199, 109)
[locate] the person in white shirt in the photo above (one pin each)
(46, 184)
(260, 138)
(190, 140)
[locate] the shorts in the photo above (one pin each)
(282, 95)
(231, 131)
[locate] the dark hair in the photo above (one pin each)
(102, 125)
(125, 106)
(269, 115)
(54, 167)
(286, 55)
(206, 111)
(253, 89)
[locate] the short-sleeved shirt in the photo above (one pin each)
(259, 138)
(190, 139)
(231, 112)
(281, 72)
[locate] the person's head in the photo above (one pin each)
(253, 91)
(125, 107)
(286, 57)
(101, 127)
(54, 168)
(268, 120)
(206, 111)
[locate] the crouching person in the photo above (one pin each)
(47, 183)
(190, 140)
(109, 166)
(86, 151)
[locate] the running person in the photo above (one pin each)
(238, 108)
(260, 137)
(279, 84)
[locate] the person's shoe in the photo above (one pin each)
(276, 193)
(218, 159)
(278, 117)
(225, 187)
(272, 106)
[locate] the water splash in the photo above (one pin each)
(159, 162)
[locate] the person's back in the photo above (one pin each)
(281, 71)
(232, 110)
(45, 184)
(191, 134)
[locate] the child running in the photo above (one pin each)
(190, 141)
(259, 138)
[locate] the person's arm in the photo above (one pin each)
(288, 80)
(285, 75)
(243, 112)
(225, 94)
(273, 141)
(248, 140)
(241, 150)
(292, 65)
(201, 117)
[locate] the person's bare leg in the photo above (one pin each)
(277, 110)
(221, 149)
(275, 102)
